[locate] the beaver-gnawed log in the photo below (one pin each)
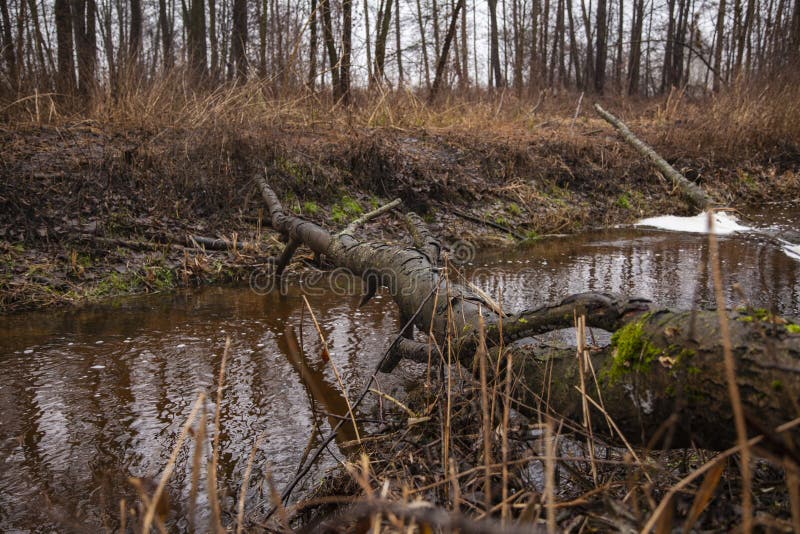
(661, 366)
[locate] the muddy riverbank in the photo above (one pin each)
(89, 212)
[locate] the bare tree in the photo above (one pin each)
(7, 43)
(66, 68)
(601, 48)
(495, 45)
(384, 22)
(239, 39)
(635, 55)
(437, 82)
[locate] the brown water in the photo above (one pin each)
(94, 396)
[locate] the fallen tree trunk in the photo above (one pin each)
(696, 196)
(662, 366)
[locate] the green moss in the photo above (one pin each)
(531, 235)
(351, 206)
(624, 202)
(310, 208)
(499, 219)
(776, 385)
(514, 209)
(338, 216)
(749, 314)
(345, 210)
(793, 328)
(631, 351)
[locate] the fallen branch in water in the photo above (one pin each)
(660, 363)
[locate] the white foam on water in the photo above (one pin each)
(793, 251)
(724, 223)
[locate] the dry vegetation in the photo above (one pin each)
(164, 160)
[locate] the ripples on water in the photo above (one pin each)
(93, 396)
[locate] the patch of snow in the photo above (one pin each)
(98, 367)
(27, 351)
(724, 223)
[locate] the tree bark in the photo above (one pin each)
(440, 65)
(327, 33)
(196, 37)
(696, 196)
(398, 48)
(635, 55)
(384, 22)
(601, 48)
(239, 39)
(663, 369)
(347, 44)
(7, 44)
(495, 45)
(83, 21)
(135, 35)
(166, 35)
(66, 67)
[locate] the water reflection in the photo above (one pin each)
(93, 396)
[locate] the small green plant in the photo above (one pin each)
(624, 202)
(338, 215)
(531, 235)
(499, 219)
(793, 328)
(514, 209)
(310, 208)
(351, 206)
(346, 209)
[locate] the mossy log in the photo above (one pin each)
(661, 380)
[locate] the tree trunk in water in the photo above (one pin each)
(661, 380)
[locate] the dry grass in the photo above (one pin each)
(751, 117)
